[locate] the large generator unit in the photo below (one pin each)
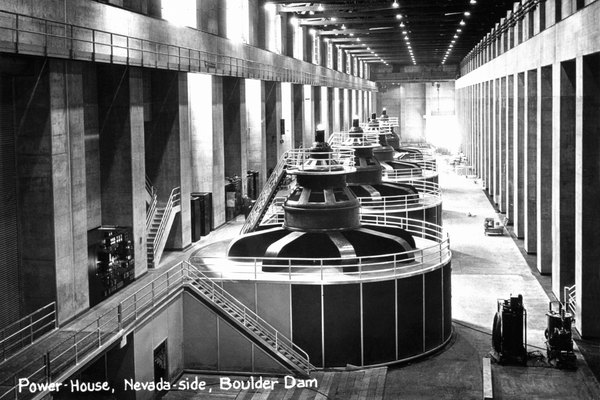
(559, 337)
(509, 331)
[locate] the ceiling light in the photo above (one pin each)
(453, 41)
(405, 37)
(343, 26)
(451, 45)
(320, 8)
(473, 2)
(459, 30)
(358, 39)
(462, 22)
(352, 34)
(467, 13)
(405, 33)
(395, 4)
(333, 19)
(368, 48)
(402, 25)
(398, 16)
(311, 12)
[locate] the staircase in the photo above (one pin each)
(266, 196)
(249, 323)
(158, 225)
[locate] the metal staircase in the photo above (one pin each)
(266, 196)
(158, 226)
(72, 349)
(250, 324)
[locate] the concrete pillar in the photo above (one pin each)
(587, 212)
(68, 200)
(234, 126)
(518, 29)
(167, 147)
(287, 114)
(273, 130)
(122, 166)
(325, 110)
(308, 121)
(530, 163)
(496, 135)
(563, 177)
(510, 92)
(346, 110)
(544, 169)
(503, 146)
(337, 114)
(487, 98)
(206, 139)
(519, 150)
(256, 143)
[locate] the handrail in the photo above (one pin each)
(57, 363)
(429, 194)
(75, 41)
(427, 168)
(301, 160)
(150, 187)
(174, 201)
(202, 281)
(343, 139)
(151, 211)
(570, 300)
(16, 336)
(269, 190)
(432, 253)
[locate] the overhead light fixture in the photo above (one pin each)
(451, 45)
(358, 39)
(455, 36)
(462, 22)
(453, 41)
(473, 2)
(398, 16)
(402, 25)
(352, 34)
(459, 30)
(333, 19)
(405, 37)
(311, 12)
(343, 26)
(395, 4)
(404, 32)
(320, 8)
(467, 13)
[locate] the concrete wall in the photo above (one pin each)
(559, 63)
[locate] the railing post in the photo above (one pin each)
(120, 315)
(99, 335)
(47, 365)
(276, 341)
(75, 347)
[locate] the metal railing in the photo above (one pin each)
(570, 299)
(432, 252)
(62, 360)
(301, 160)
(426, 169)
(27, 330)
(265, 196)
(158, 242)
(248, 318)
(31, 35)
(429, 195)
(343, 139)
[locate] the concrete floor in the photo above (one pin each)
(485, 268)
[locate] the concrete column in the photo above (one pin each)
(167, 147)
(518, 29)
(272, 122)
(256, 142)
(530, 163)
(337, 115)
(234, 127)
(325, 110)
(503, 146)
(68, 199)
(510, 92)
(563, 177)
(206, 139)
(587, 212)
(487, 98)
(308, 121)
(544, 169)
(122, 165)
(346, 113)
(496, 135)
(519, 150)
(287, 113)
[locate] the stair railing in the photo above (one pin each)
(62, 360)
(237, 310)
(262, 202)
(151, 211)
(570, 293)
(174, 201)
(27, 330)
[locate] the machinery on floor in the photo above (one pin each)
(491, 226)
(509, 331)
(559, 337)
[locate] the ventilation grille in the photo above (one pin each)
(9, 249)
